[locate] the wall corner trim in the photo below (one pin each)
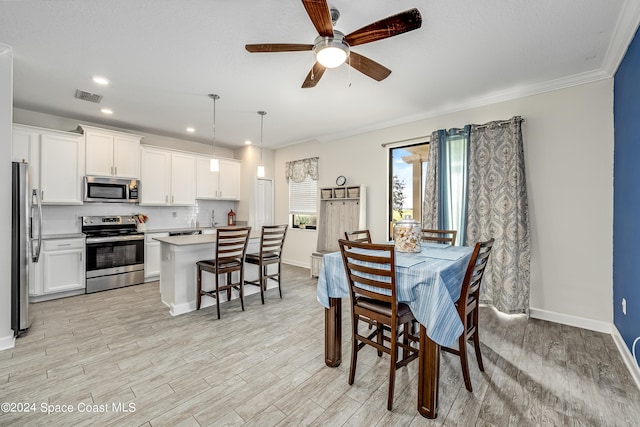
(592, 325)
(634, 369)
(7, 342)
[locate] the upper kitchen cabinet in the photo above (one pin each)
(61, 169)
(56, 162)
(222, 185)
(167, 178)
(111, 153)
(26, 148)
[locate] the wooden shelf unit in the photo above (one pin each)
(341, 209)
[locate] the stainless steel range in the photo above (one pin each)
(115, 252)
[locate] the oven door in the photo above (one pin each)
(114, 262)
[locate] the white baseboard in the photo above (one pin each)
(632, 365)
(593, 325)
(566, 319)
(297, 263)
(7, 342)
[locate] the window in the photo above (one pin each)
(407, 175)
(302, 203)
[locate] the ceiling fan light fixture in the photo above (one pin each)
(331, 52)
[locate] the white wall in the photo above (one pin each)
(6, 104)
(568, 138)
(251, 158)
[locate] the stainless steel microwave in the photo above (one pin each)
(111, 190)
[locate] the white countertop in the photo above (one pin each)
(197, 239)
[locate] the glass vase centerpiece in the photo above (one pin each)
(406, 235)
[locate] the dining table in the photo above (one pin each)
(429, 282)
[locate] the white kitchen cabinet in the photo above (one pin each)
(167, 178)
(61, 168)
(61, 267)
(155, 176)
(152, 256)
(56, 159)
(222, 185)
(26, 148)
(111, 153)
(183, 179)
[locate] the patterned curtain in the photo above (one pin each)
(498, 208)
(298, 170)
(430, 207)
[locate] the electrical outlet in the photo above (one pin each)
(175, 214)
(624, 306)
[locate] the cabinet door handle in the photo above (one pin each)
(172, 199)
(63, 244)
(115, 170)
(166, 199)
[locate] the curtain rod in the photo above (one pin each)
(426, 138)
(506, 122)
(423, 138)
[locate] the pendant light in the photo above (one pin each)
(214, 164)
(261, 166)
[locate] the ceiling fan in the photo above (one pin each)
(332, 48)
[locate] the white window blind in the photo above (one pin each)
(302, 196)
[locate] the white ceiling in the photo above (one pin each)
(164, 56)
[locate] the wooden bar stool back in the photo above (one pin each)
(271, 243)
(231, 248)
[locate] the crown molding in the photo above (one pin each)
(510, 94)
(623, 33)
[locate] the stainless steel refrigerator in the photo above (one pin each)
(26, 230)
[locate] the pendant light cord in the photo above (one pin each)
(214, 97)
(262, 114)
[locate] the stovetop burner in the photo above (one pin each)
(105, 226)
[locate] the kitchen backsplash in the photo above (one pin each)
(67, 219)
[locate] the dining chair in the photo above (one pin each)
(358, 236)
(439, 236)
(231, 248)
(361, 236)
(467, 306)
(371, 273)
(271, 242)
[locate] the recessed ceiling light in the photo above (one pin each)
(247, 142)
(107, 111)
(191, 130)
(101, 80)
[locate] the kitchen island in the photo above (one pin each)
(179, 273)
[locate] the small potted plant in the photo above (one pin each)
(302, 222)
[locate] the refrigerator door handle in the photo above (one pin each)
(36, 256)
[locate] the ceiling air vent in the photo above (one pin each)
(88, 96)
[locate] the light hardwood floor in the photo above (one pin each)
(265, 367)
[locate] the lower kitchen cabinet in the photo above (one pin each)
(152, 256)
(61, 268)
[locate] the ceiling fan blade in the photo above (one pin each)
(392, 26)
(277, 47)
(318, 11)
(314, 76)
(368, 67)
